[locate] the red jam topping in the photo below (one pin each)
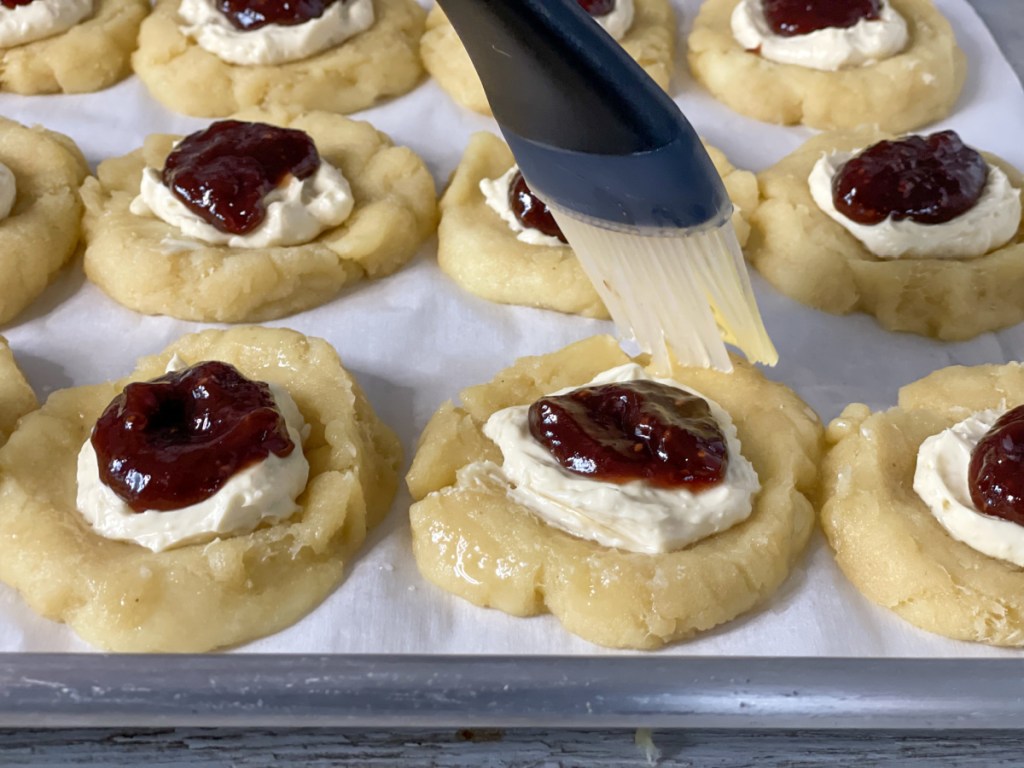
(247, 15)
(789, 18)
(529, 210)
(12, 4)
(637, 430)
(223, 173)
(598, 7)
(996, 473)
(174, 441)
(929, 180)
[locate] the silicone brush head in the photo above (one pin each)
(625, 174)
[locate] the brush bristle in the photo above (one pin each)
(679, 297)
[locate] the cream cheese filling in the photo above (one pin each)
(40, 19)
(830, 49)
(495, 192)
(634, 516)
(296, 211)
(273, 43)
(263, 493)
(619, 21)
(941, 481)
(989, 224)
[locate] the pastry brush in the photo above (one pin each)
(624, 174)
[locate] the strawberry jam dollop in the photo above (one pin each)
(927, 179)
(174, 441)
(12, 4)
(636, 430)
(530, 210)
(789, 18)
(223, 173)
(249, 15)
(995, 475)
(598, 7)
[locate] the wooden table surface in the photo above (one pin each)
(318, 748)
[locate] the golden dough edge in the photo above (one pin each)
(396, 210)
(788, 94)
(651, 42)
(187, 79)
(42, 232)
(478, 251)
(812, 259)
(16, 395)
(122, 597)
(885, 539)
(549, 570)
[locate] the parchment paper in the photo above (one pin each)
(414, 339)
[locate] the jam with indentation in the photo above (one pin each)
(929, 180)
(12, 4)
(789, 18)
(223, 173)
(248, 15)
(996, 472)
(530, 210)
(598, 7)
(637, 430)
(174, 441)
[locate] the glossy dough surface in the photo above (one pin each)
(478, 544)
(121, 596)
(16, 396)
(145, 264)
(477, 249)
(379, 63)
(886, 540)
(87, 57)
(650, 41)
(43, 228)
(813, 259)
(913, 88)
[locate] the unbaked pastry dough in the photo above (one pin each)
(886, 540)
(43, 228)
(908, 90)
(475, 542)
(477, 249)
(650, 41)
(145, 264)
(813, 259)
(379, 63)
(119, 595)
(16, 396)
(88, 57)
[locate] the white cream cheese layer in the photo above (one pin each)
(495, 192)
(262, 493)
(40, 19)
(943, 462)
(989, 224)
(619, 21)
(273, 43)
(830, 49)
(297, 211)
(8, 191)
(635, 516)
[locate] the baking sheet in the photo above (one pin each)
(414, 339)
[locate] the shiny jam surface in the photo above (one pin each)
(996, 473)
(529, 210)
(12, 4)
(247, 15)
(789, 18)
(929, 180)
(637, 430)
(174, 441)
(598, 7)
(222, 173)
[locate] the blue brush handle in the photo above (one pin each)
(592, 133)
